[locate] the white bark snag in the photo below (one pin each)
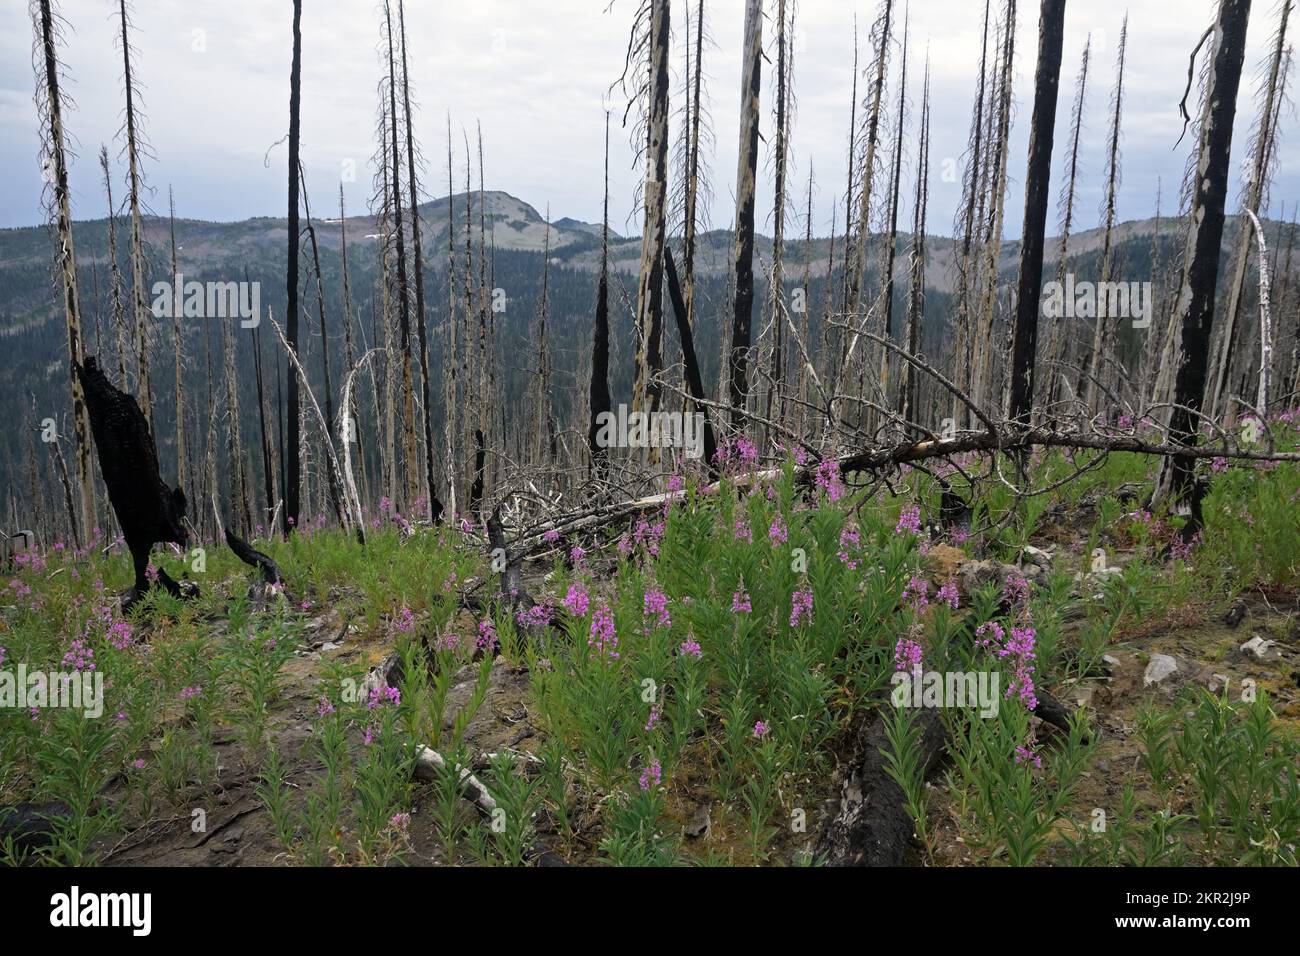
(1265, 323)
(650, 292)
(50, 104)
(1194, 307)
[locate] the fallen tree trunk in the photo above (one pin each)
(430, 765)
(872, 827)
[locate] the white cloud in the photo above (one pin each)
(535, 75)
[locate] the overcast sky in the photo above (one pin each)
(536, 75)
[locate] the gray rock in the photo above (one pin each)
(1159, 668)
(1037, 557)
(699, 824)
(1261, 648)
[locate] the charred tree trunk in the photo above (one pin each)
(746, 176)
(1195, 304)
(908, 404)
(147, 510)
(178, 354)
(650, 291)
(292, 479)
(693, 378)
(410, 460)
(435, 506)
(599, 395)
(1051, 36)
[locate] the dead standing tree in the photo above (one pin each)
(1051, 34)
(434, 505)
(50, 105)
(650, 289)
(1058, 338)
(134, 146)
(289, 449)
(1262, 158)
(410, 460)
(1101, 360)
(746, 176)
(600, 400)
(1195, 304)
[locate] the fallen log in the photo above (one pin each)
(28, 827)
(430, 765)
(872, 827)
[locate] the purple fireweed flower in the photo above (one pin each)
(487, 639)
(1017, 590)
(740, 603)
(80, 656)
(651, 775)
(827, 479)
(989, 635)
(949, 595)
(400, 822)
(801, 606)
(1219, 465)
(691, 648)
(676, 483)
(1018, 647)
(777, 532)
(760, 730)
(325, 707)
(404, 622)
(739, 454)
(603, 638)
(909, 521)
(655, 609)
(539, 615)
(907, 655)
(654, 717)
(577, 554)
(551, 536)
(741, 532)
(138, 763)
(577, 600)
(119, 635)
(190, 692)
(380, 696)
(849, 540)
(648, 534)
(746, 451)
(1025, 754)
(917, 593)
